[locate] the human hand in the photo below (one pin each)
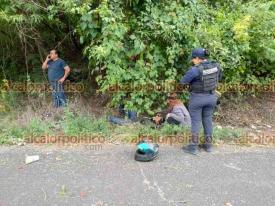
(157, 119)
(61, 81)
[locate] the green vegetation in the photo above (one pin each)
(131, 43)
(138, 42)
(75, 125)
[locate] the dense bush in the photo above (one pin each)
(146, 42)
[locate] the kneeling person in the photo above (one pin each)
(177, 112)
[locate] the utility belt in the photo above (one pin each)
(204, 92)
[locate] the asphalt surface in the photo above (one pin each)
(109, 175)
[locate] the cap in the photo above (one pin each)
(199, 52)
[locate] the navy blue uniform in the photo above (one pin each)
(201, 103)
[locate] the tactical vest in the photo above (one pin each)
(208, 79)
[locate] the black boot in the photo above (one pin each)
(192, 147)
(208, 147)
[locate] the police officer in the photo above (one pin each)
(203, 78)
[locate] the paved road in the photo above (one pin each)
(89, 175)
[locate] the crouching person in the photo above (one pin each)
(177, 112)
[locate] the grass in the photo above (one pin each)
(77, 125)
(78, 121)
(227, 133)
(73, 124)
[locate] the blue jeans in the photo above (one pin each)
(117, 120)
(121, 121)
(201, 108)
(132, 115)
(58, 94)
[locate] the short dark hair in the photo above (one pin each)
(56, 51)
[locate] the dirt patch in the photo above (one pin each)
(248, 111)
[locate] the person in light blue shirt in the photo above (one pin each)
(58, 71)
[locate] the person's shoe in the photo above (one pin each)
(208, 146)
(192, 147)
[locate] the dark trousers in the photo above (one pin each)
(58, 94)
(201, 108)
(171, 120)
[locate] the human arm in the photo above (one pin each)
(192, 73)
(66, 74)
(45, 63)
